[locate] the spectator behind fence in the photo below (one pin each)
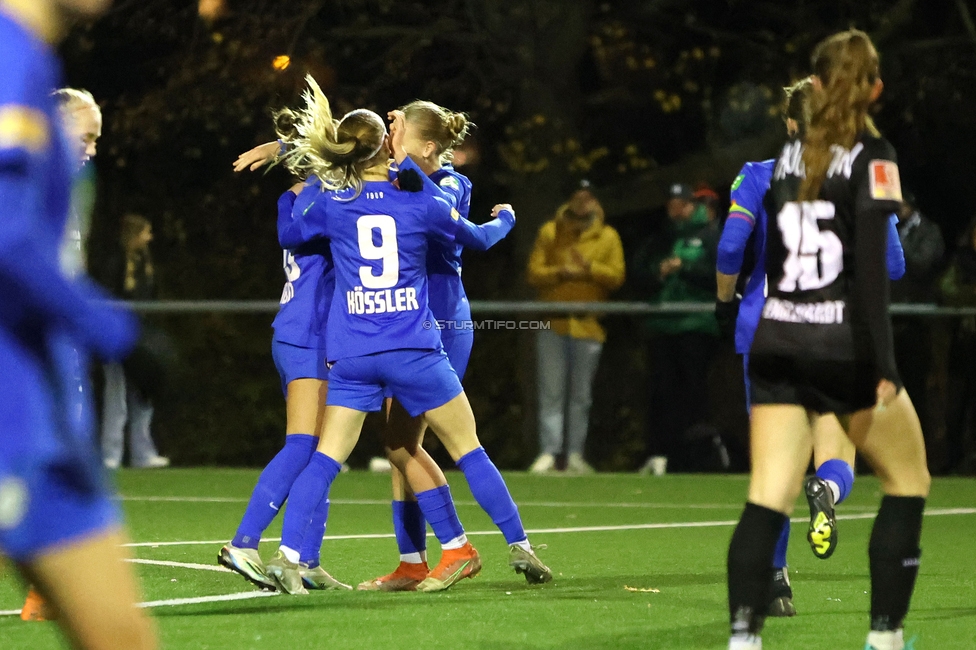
(959, 290)
(576, 257)
(921, 240)
(680, 346)
(129, 274)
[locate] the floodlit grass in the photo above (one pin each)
(586, 606)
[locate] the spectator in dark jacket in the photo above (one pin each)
(924, 248)
(680, 346)
(921, 239)
(130, 275)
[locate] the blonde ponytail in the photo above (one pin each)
(336, 152)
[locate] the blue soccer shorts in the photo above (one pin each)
(421, 380)
(296, 362)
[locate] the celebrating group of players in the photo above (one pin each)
(372, 260)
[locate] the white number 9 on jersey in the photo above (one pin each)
(386, 251)
(815, 257)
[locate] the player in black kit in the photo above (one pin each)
(824, 344)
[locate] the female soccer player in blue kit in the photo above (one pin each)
(428, 134)
(299, 352)
(377, 338)
(832, 450)
(58, 522)
(823, 345)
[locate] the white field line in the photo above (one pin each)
(521, 504)
(181, 565)
(243, 595)
(934, 512)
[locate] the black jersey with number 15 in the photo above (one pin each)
(825, 260)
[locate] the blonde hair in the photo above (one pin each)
(847, 66)
(334, 151)
(436, 124)
(797, 105)
(73, 99)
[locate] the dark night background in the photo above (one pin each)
(632, 94)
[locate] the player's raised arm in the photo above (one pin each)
(443, 221)
(294, 228)
(484, 236)
(259, 156)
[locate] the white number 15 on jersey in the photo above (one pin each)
(815, 257)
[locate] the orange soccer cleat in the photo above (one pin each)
(36, 608)
(406, 577)
(456, 564)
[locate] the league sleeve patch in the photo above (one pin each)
(884, 181)
(451, 182)
(22, 127)
(738, 181)
(455, 214)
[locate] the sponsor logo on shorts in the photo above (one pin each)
(830, 312)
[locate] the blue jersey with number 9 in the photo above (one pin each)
(379, 248)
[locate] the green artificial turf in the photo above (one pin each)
(586, 606)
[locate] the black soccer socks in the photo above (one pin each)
(894, 554)
(750, 567)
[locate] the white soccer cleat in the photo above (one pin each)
(544, 463)
(247, 563)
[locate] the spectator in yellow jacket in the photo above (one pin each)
(576, 257)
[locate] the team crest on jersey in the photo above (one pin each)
(451, 182)
(738, 181)
(455, 214)
(885, 183)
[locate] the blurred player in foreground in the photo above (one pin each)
(57, 521)
(833, 452)
(823, 345)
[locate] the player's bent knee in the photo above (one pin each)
(908, 484)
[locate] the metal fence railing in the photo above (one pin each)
(521, 307)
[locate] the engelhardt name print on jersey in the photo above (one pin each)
(830, 312)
